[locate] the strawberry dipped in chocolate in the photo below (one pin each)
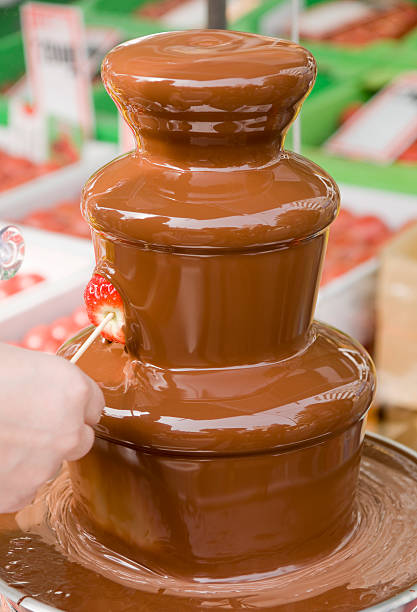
(102, 298)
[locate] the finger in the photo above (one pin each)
(14, 503)
(84, 445)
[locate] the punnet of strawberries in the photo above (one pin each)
(65, 218)
(48, 338)
(101, 297)
(19, 283)
(353, 239)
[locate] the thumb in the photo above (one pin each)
(84, 445)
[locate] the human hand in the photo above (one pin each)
(47, 409)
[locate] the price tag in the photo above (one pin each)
(28, 132)
(57, 62)
(384, 127)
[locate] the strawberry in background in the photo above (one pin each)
(353, 239)
(65, 218)
(18, 283)
(16, 170)
(49, 338)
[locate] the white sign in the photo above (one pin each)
(57, 62)
(384, 127)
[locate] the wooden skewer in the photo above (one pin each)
(91, 338)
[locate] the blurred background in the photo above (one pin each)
(57, 125)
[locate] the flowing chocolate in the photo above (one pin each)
(224, 473)
(231, 440)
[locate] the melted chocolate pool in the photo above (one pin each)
(376, 562)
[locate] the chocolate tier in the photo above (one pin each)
(232, 435)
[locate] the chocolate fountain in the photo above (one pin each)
(226, 471)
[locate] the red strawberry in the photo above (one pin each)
(101, 297)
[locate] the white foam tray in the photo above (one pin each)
(47, 190)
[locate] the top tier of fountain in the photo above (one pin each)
(227, 87)
(210, 100)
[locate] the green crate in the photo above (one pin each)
(409, 43)
(121, 15)
(9, 19)
(12, 67)
(349, 58)
(12, 59)
(397, 177)
(116, 14)
(353, 62)
(106, 115)
(117, 7)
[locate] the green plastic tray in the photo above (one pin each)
(124, 8)
(349, 58)
(12, 60)
(409, 43)
(397, 177)
(12, 67)
(117, 14)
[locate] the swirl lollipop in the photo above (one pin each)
(12, 251)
